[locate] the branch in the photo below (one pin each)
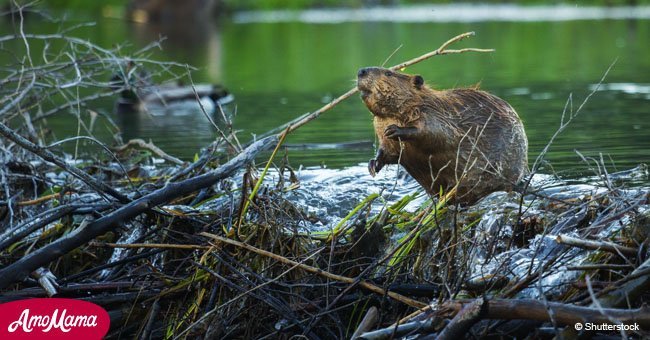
(151, 147)
(21, 268)
(306, 118)
(149, 245)
(565, 314)
(564, 121)
(12, 235)
(20, 97)
(393, 331)
(464, 320)
(441, 51)
(369, 321)
(367, 285)
(637, 284)
(595, 245)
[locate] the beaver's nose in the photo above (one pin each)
(362, 72)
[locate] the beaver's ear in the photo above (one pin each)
(418, 81)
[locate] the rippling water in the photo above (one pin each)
(330, 194)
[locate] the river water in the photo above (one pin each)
(280, 65)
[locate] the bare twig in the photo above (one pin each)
(151, 147)
(50, 157)
(595, 245)
(150, 245)
(565, 121)
(424, 326)
(367, 285)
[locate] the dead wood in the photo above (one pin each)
(21, 268)
(564, 314)
(12, 235)
(596, 245)
(151, 147)
(464, 320)
(415, 327)
(368, 322)
(630, 290)
(364, 284)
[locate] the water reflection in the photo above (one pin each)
(189, 28)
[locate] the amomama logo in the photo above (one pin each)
(52, 318)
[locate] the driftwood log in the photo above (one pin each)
(465, 313)
(562, 313)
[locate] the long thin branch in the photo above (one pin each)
(150, 245)
(151, 147)
(565, 314)
(367, 285)
(442, 50)
(520, 309)
(595, 245)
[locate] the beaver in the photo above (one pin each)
(464, 136)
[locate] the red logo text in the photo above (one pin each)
(52, 318)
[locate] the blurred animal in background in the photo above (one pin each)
(159, 11)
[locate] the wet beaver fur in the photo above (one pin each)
(442, 138)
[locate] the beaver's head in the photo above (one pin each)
(388, 93)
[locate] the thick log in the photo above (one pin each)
(464, 320)
(564, 314)
(368, 322)
(391, 332)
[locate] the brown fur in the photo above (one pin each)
(442, 138)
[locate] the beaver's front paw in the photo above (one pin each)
(404, 133)
(374, 165)
(392, 131)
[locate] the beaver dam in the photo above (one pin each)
(239, 244)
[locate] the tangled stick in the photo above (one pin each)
(364, 284)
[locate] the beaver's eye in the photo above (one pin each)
(388, 73)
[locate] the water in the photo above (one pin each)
(280, 66)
